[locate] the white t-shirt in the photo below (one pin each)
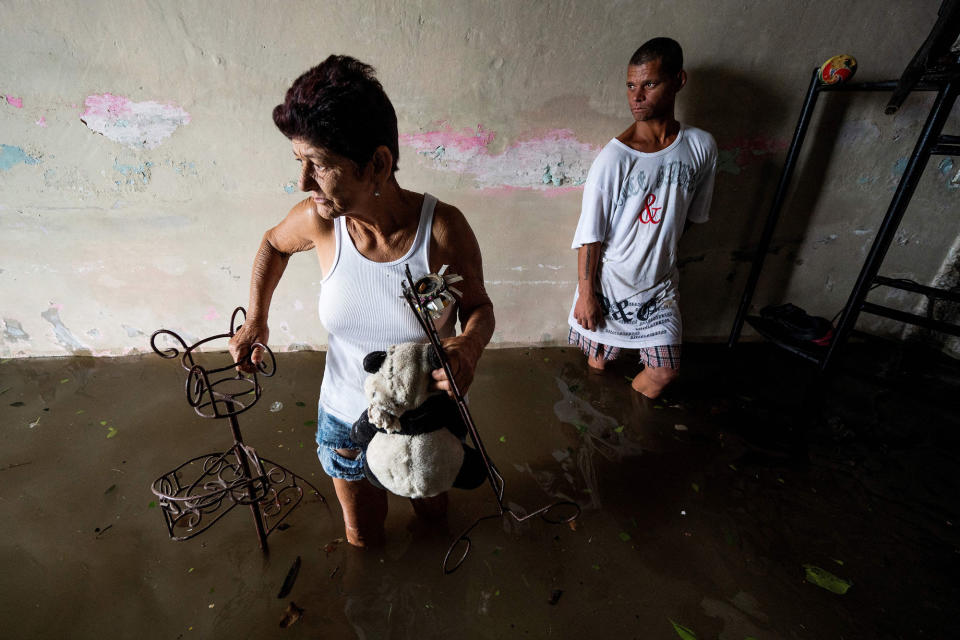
(636, 204)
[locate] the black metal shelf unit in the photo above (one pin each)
(930, 142)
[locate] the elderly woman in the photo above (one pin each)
(363, 228)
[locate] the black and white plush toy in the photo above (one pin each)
(412, 437)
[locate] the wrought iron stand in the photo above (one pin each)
(196, 494)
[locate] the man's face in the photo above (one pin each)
(651, 92)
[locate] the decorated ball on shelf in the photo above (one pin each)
(838, 69)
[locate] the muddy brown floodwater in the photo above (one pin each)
(702, 510)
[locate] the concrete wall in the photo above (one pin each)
(140, 166)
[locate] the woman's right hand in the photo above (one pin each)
(244, 339)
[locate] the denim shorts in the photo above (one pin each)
(333, 434)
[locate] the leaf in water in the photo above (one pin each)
(16, 404)
(152, 504)
(290, 579)
(291, 615)
(596, 567)
(624, 536)
(546, 359)
(103, 423)
(502, 438)
(695, 486)
(582, 428)
(618, 429)
(111, 432)
(79, 411)
(301, 404)
(65, 381)
(682, 631)
(839, 562)
(109, 489)
(4, 390)
(825, 579)
(310, 423)
(35, 422)
(190, 570)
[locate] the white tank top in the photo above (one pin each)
(363, 309)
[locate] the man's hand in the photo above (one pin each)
(242, 341)
(463, 356)
(587, 312)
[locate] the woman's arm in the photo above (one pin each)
(299, 231)
(454, 244)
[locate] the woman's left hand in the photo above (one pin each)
(463, 357)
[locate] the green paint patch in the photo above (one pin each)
(825, 579)
(682, 631)
(624, 536)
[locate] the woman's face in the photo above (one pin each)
(332, 180)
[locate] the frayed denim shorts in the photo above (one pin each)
(333, 434)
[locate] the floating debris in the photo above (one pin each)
(291, 615)
(555, 596)
(276, 406)
(290, 579)
(825, 579)
(682, 631)
(680, 427)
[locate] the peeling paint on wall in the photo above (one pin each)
(733, 156)
(138, 125)
(16, 102)
(554, 159)
(133, 174)
(10, 156)
(62, 334)
(13, 331)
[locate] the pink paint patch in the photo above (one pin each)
(211, 314)
(42, 122)
(553, 160)
(17, 102)
(57, 306)
(748, 149)
(463, 140)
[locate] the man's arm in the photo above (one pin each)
(587, 311)
(454, 243)
(296, 232)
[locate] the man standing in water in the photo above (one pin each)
(646, 186)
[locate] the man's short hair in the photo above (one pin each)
(666, 50)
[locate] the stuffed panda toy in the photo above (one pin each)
(412, 438)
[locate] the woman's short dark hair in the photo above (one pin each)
(341, 107)
(666, 50)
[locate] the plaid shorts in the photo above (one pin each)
(667, 355)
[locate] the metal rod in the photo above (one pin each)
(911, 318)
(906, 285)
(883, 85)
(764, 246)
(245, 467)
(945, 150)
(939, 113)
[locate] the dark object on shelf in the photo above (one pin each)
(194, 495)
(559, 512)
(793, 323)
(944, 79)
